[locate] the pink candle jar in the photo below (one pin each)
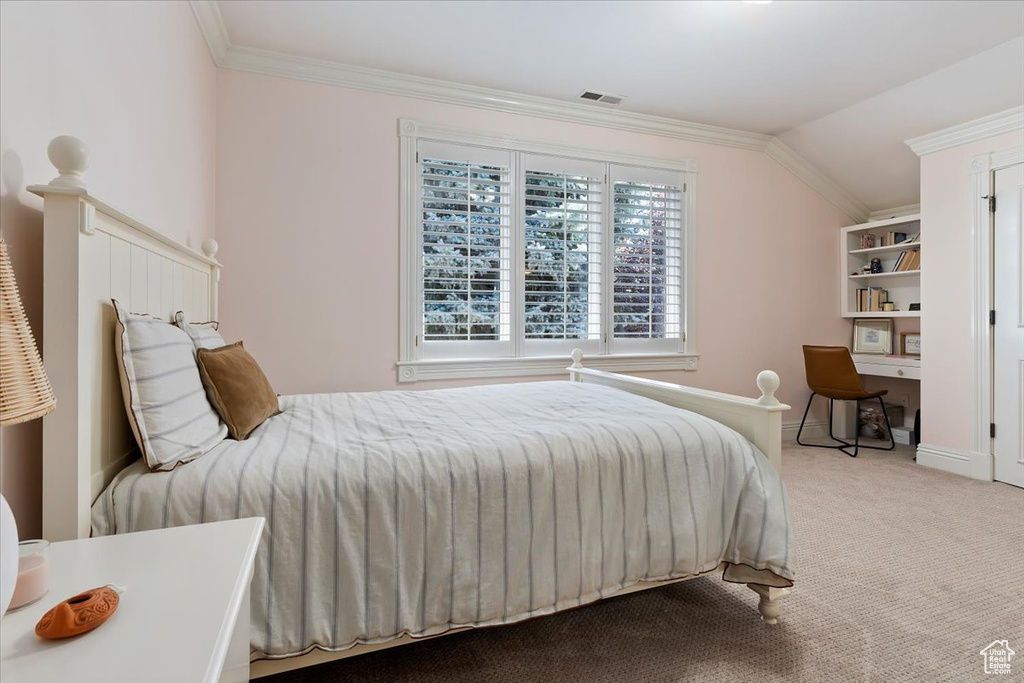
(33, 573)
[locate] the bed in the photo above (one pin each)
(402, 515)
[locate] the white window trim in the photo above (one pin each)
(412, 367)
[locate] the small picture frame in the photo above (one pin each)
(910, 344)
(872, 336)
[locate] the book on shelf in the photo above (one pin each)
(870, 299)
(867, 241)
(909, 259)
(914, 261)
(892, 238)
(899, 262)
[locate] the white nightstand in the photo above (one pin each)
(184, 615)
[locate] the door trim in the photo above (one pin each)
(982, 170)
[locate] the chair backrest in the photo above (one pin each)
(831, 372)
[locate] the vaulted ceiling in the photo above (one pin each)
(842, 83)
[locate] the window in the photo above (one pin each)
(514, 255)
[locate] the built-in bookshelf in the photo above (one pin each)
(896, 243)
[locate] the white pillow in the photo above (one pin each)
(203, 335)
(171, 417)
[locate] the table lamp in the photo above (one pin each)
(25, 394)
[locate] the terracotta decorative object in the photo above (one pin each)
(79, 614)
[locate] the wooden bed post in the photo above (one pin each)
(93, 253)
(768, 605)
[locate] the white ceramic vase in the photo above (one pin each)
(8, 554)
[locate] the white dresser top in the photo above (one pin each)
(174, 622)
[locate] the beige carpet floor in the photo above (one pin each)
(904, 574)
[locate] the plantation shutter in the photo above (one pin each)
(465, 197)
(562, 209)
(647, 242)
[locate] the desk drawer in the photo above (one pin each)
(878, 369)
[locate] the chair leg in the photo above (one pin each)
(842, 444)
(801, 430)
(831, 412)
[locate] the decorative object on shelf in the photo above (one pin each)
(910, 344)
(888, 306)
(866, 269)
(914, 307)
(33, 573)
(25, 394)
(79, 614)
(876, 265)
(872, 336)
(867, 241)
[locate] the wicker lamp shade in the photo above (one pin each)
(25, 392)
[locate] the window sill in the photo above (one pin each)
(420, 370)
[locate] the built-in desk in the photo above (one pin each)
(878, 365)
(905, 367)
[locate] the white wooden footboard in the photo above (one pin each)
(758, 419)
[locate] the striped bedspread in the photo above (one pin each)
(418, 511)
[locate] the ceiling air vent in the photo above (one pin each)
(603, 98)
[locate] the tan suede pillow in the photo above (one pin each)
(237, 388)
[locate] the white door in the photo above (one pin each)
(1008, 335)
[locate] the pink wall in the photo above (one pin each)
(136, 82)
(307, 220)
(946, 290)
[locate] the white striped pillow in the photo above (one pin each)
(171, 417)
(203, 335)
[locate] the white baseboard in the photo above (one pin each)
(973, 464)
(812, 430)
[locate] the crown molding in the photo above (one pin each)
(375, 80)
(211, 23)
(895, 212)
(816, 180)
(978, 129)
(270, 63)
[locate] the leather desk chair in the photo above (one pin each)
(832, 374)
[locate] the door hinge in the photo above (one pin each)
(992, 317)
(684, 188)
(417, 342)
(991, 202)
(992, 430)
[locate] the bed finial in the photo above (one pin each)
(768, 383)
(70, 155)
(577, 358)
(209, 247)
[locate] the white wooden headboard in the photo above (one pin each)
(93, 253)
